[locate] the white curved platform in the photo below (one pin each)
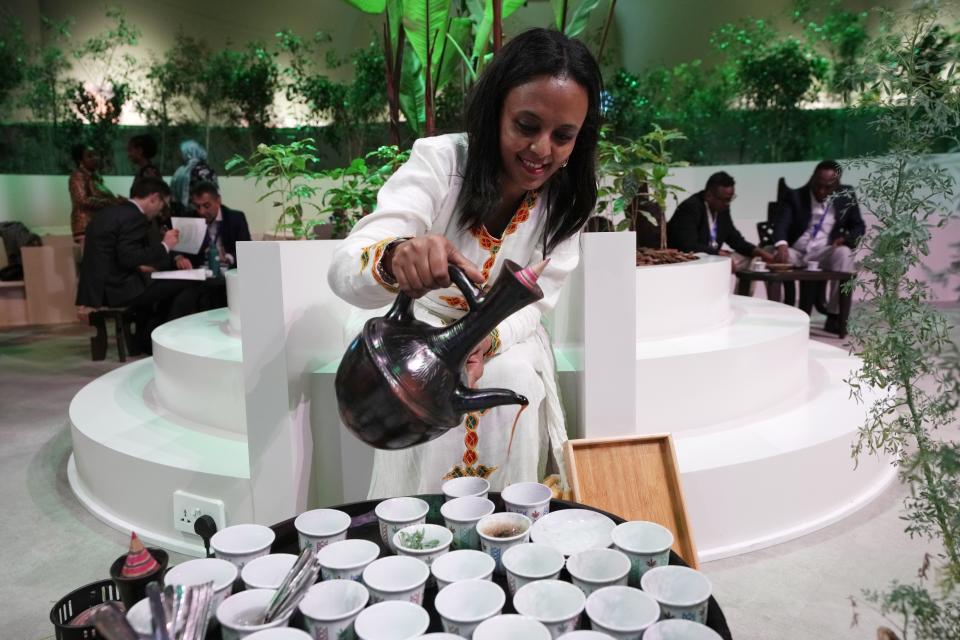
(130, 454)
(199, 370)
(680, 299)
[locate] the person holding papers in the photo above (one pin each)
(225, 226)
(118, 259)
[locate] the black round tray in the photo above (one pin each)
(364, 526)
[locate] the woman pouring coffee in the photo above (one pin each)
(518, 185)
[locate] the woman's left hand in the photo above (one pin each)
(474, 365)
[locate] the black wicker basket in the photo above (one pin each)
(76, 602)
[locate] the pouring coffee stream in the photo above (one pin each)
(399, 383)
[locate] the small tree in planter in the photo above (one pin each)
(903, 341)
(635, 174)
(287, 171)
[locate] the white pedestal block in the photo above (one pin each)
(680, 299)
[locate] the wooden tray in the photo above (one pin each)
(635, 477)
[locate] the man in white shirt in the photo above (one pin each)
(820, 222)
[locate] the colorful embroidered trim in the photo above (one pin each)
(493, 245)
(470, 441)
(370, 256)
(494, 344)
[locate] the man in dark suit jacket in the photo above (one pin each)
(820, 222)
(703, 223)
(118, 258)
(225, 227)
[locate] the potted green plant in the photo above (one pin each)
(634, 185)
(287, 171)
(902, 339)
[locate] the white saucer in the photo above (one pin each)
(571, 531)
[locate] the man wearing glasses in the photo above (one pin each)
(702, 223)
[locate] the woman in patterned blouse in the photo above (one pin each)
(87, 191)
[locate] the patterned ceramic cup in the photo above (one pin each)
(622, 612)
(330, 608)
(242, 543)
(585, 634)
(464, 487)
(597, 568)
(525, 563)
(465, 564)
(425, 542)
(461, 516)
(555, 603)
(267, 572)
(346, 560)
(532, 499)
(500, 531)
(464, 605)
(193, 572)
(511, 627)
(236, 612)
(392, 620)
(680, 629)
(320, 527)
(396, 578)
(396, 513)
(647, 544)
(682, 592)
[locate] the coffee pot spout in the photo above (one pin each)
(466, 400)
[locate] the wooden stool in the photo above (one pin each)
(122, 317)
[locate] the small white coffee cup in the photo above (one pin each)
(346, 559)
(466, 486)
(813, 265)
(585, 634)
(396, 578)
(594, 569)
(685, 629)
(267, 572)
(464, 605)
(242, 543)
(330, 607)
(201, 570)
(511, 626)
(758, 265)
(461, 516)
(463, 564)
(500, 531)
(392, 620)
(235, 613)
(435, 542)
(141, 619)
(320, 527)
(525, 563)
(532, 499)
(281, 633)
(396, 513)
(622, 612)
(647, 544)
(555, 603)
(683, 593)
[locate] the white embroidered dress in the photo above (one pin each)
(420, 199)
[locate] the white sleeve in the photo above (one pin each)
(407, 205)
(522, 324)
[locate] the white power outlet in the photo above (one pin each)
(187, 507)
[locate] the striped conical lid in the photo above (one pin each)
(139, 562)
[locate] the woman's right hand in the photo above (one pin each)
(420, 264)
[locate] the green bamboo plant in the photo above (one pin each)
(902, 339)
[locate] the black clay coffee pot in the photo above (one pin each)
(399, 383)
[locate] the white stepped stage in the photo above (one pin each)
(761, 417)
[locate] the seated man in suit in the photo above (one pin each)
(225, 226)
(820, 222)
(118, 258)
(703, 223)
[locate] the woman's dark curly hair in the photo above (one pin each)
(571, 192)
(146, 143)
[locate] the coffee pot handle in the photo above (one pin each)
(402, 311)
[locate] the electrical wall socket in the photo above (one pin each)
(187, 507)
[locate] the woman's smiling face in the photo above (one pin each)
(539, 124)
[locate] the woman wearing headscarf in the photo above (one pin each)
(193, 171)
